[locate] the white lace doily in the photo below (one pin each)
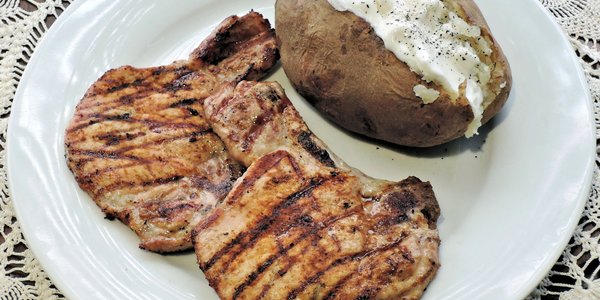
(576, 275)
(21, 276)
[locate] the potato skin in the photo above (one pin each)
(337, 62)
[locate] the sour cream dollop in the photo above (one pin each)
(434, 42)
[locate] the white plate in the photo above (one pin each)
(510, 197)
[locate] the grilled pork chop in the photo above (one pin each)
(301, 224)
(139, 143)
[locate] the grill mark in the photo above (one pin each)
(249, 50)
(111, 140)
(333, 291)
(265, 117)
(151, 124)
(165, 212)
(92, 119)
(368, 292)
(245, 74)
(100, 118)
(256, 273)
(115, 168)
(312, 231)
(305, 140)
(99, 172)
(220, 46)
(257, 128)
(152, 142)
(356, 257)
(184, 102)
(119, 153)
(373, 290)
(219, 189)
(192, 111)
(121, 117)
(272, 104)
(239, 289)
(131, 184)
(159, 70)
(261, 226)
(216, 214)
(105, 155)
(302, 220)
(183, 75)
(122, 86)
(272, 96)
(113, 89)
(142, 91)
(218, 111)
(88, 102)
(181, 70)
(116, 136)
(281, 273)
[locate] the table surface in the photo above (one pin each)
(576, 275)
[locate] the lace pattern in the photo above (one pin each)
(576, 275)
(21, 27)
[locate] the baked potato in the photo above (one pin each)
(339, 64)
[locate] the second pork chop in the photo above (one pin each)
(302, 224)
(140, 146)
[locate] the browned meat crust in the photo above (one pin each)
(300, 224)
(140, 146)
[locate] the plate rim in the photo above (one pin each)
(584, 193)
